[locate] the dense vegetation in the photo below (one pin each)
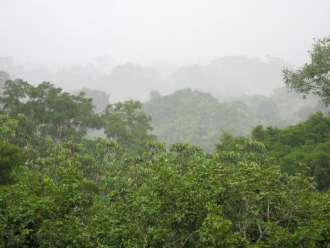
(62, 188)
(191, 116)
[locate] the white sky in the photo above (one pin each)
(175, 30)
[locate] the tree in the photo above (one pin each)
(13, 95)
(49, 111)
(128, 124)
(315, 76)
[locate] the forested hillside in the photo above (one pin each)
(192, 116)
(260, 177)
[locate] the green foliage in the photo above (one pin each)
(307, 142)
(14, 93)
(211, 205)
(128, 124)
(8, 127)
(49, 111)
(191, 116)
(77, 196)
(130, 191)
(10, 157)
(232, 150)
(228, 142)
(194, 117)
(42, 212)
(313, 77)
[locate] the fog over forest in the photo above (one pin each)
(162, 123)
(129, 48)
(198, 67)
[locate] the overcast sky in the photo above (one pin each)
(175, 30)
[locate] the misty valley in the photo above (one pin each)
(231, 152)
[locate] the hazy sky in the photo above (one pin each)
(176, 30)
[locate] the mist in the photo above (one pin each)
(128, 48)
